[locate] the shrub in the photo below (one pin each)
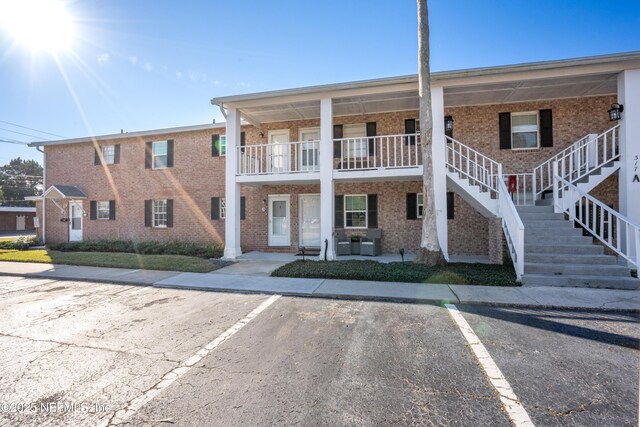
(21, 243)
(143, 248)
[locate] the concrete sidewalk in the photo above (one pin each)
(547, 297)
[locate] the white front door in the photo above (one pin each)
(21, 223)
(279, 140)
(279, 221)
(308, 155)
(75, 221)
(310, 220)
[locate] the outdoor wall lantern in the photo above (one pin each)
(448, 127)
(614, 112)
(448, 123)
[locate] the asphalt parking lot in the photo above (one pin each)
(82, 353)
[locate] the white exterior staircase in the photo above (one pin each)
(545, 247)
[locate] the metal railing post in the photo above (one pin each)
(556, 183)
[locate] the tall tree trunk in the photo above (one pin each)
(430, 252)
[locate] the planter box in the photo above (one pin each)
(355, 248)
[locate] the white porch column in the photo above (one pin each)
(439, 171)
(629, 178)
(232, 188)
(326, 178)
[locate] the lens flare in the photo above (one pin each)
(40, 25)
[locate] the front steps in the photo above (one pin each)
(557, 254)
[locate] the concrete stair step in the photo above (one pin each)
(561, 248)
(584, 281)
(569, 258)
(541, 216)
(544, 202)
(557, 239)
(534, 209)
(547, 224)
(555, 269)
(533, 232)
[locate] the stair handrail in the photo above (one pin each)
(577, 158)
(566, 197)
(512, 226)
(473, 165)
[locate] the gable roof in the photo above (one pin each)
(64, 192)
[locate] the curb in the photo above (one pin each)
(345, 297)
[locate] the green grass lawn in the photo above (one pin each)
(454, 273)
(112, 259)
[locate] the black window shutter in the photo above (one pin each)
(169, 213)
(505, 131)
(147, 212)
(170, 153)
(546, 128)
(243, 141)
(112, 210)
(147, 157)
(372, 211)
(410, 128)
(242, 208)
(339, 212)
(215, 145)
(412, 206)
(96, 159)
(93, 209)
(116, 154)
(450, 207)
(337, 145)
(371, 131)
(215, 208)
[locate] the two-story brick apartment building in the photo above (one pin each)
(301, 167)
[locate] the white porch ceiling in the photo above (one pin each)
(476, 94)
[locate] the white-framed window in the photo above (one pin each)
(160, 154)
(223, 145)
(109, 154)
(223, 208)
(103, 210)
(355, 211)
(358, 146)
(419, 205)
(525, 130)
(160, 213)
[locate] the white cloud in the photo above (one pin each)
(148, 66)
(179, 74)
(192, 76)
(103, 58)
(133, 59)
(243, 84)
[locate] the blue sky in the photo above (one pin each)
(138, 65)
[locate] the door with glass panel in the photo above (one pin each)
(309, 220)
(308, 151)
(279, 151)
(75, 221)
(279, 221)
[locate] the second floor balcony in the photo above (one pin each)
(385, 155)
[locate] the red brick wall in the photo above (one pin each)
(8, 220)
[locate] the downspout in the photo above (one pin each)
(44, 187)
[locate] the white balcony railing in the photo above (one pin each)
(386, 152)
(278, 158)
(520, 188)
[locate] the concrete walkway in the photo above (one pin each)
(548, 297)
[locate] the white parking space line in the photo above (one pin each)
(516, 412)
(167, 379)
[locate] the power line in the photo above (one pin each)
(8, 141)
(35, 130)
(25, 134)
